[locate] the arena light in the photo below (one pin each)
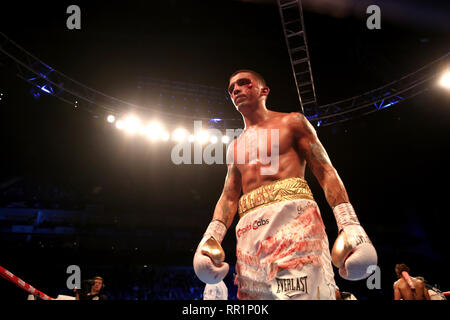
(445, 80)
(225, 139)
(46, 88)
(111, 118)
(203, 137)
(179, 135)
(214, 139)
(132, 124)
(120, 125)
(154, 130)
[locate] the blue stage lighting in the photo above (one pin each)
(47, 88)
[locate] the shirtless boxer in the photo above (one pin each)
(282, 248)
(407, 287)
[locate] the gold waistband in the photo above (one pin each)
(280, 190)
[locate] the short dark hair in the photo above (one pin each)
(256, 74)
(98, 278)
(399, 268)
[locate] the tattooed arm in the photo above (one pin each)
(313, 152)
(353, 258)
(226, 207)
(209, 258)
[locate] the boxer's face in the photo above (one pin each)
(245, 91)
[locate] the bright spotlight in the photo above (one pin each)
(225, 139)
(445, 80)
(213, 139)
(120, 125)
(154, 130)
(191, 138)
(111, 118)
(203, 137)
(179, 135)
(132, 124)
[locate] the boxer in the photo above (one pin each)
(407, 287)
(282, 248)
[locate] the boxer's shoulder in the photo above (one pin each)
(291, 122)
(399, 283)
(284, 118)
(298, 123)
(417, 282)
(294, 118)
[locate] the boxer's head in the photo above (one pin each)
(247, 90)
(399, 268)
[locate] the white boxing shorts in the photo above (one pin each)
(282, 248)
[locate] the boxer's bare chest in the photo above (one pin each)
(267, 152)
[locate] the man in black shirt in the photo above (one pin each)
(95, 292)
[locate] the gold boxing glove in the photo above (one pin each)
(353, 252)
(212, 248)
(209, 265)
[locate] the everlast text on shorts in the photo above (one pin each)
(292, 286)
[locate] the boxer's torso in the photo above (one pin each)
(290, 161)
(407, 293)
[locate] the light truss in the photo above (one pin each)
(291, 14)
(383, 97)
(46, 79)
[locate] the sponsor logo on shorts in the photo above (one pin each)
(302, 208)
(292, 286)
(252, 226)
